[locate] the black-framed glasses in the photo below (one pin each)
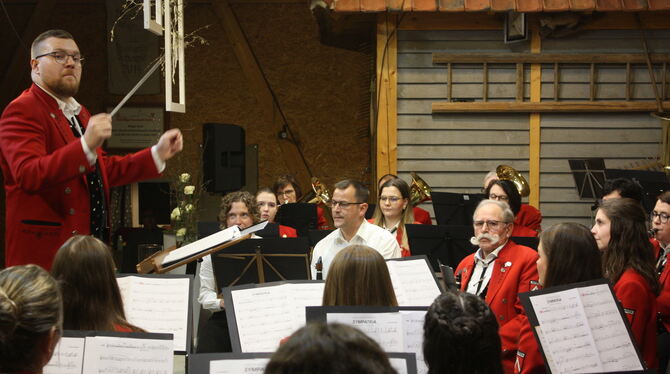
(391, 199)
(498, 197)
(342, 204)
(662, 216)
(491, 224)
(61, 57)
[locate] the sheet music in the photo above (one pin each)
(202, 245)
(413, 282)
(105, 354)
(413, 321)
(158, 305)
(385, 328)
(265, 315)
(399, 364)
(236, 366)
(68, 357)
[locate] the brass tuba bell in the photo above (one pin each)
(419, 190)
(322, 195)
(508, 173)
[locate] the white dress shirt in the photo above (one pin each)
(478, 283)
(368, 234)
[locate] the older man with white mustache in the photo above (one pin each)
(498, 271)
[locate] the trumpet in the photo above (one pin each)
(322, 195)
(508, 173)
(419, 190)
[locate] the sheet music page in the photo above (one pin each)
(302, 296)
(617, 352)
(413, 336)
(413, 282)
(202, 245)
(385, 328)
(68, 357)
(157, 305)
(565, 333)
(399, 364)
(236, 366)
(106, 354)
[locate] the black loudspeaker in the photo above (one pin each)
(223, 160)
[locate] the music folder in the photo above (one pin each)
(414, 281)
(582, 328)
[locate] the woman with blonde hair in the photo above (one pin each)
(85, 271)
(394, 210)
(31, 317)
(358, 275)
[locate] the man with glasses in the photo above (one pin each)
(498, 271)
(348, 206)
(660, 223)
(56, 176)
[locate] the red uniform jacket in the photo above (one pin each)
(514, 272)
(287, 232)
(44, 169)
(639, 304)
(404, 252)
(529, 359)
(321, 221)
(530, 217)
(663, 300)
(523, 231)
(422, 216)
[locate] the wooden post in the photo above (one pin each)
(534, 126)
(387, 105)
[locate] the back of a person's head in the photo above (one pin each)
(320, 348)
(461, 336)
(572, 254)
(625, 187)
(84, 269)
(358, 275)
(30, 318)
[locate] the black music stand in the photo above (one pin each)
(133, 237)
(301, 216)
(262, 260)
(315, 236)
(589, 176)
(653, 183)
(455, 208)
(446, 244)
(528, 241)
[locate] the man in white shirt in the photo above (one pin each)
(348, 207)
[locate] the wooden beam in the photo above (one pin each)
(451, 21)
(261, 90)
(547, 58)
(534, 140)
(387, 94)
(547, 106)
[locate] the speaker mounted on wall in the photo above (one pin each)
(223, 159)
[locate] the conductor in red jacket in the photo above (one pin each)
(498, 271)
(56, 176)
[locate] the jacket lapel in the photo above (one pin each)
(500, 271)
(466, 273)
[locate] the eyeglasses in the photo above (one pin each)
(61, 57)
(493, 225)
(269, 204)
(392, 199)
(662, 216)
(342, 204)
(498, 197)
(286, 192)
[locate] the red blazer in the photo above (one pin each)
(523, 231)
(422, 216)
(321, 221)
(514, 272)
(287, 232)
(44, 169)
(404, 252)
(530, 217)
(663, 300)
(529, 359)
(639, 304)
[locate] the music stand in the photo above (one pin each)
(455, 208)
(301, 216)
(589, 176)
(528, 241)
(262, 260)
(653, 183)
(132, 239)
(446, 244)
(315, 236)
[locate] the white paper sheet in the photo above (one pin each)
(158, 305)
(237, 366)
(413, 321)
(399, 364)
(68, 357)
(111, 355)
(202, 245)
(413, 282)
(385, 328)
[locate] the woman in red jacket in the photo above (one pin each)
(505, 191)
(628, 263)
(394, 210)
(567, 254)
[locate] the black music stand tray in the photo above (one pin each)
(315, 236)
(301, 216)
(442, 244)
(589, 175)
(455, 208)
(262, 260)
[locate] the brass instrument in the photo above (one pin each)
(419, 190)
(508, 173)
(322, 195)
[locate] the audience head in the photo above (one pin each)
(659, 218)
(238, 209)
(394, 203)
(490, 177)
(622, 187)
(358, 275)
(460, 335)
(266, 201)
(287, 189)
(85, 271)
(320, 348)
(505, 191)
(493, 222)
(621, 233)
(349, 204)
(30, 318)
(568, 253)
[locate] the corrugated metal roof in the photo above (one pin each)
(496, 5)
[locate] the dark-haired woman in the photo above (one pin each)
(629, 264)
(505, 191)
(567, 254)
